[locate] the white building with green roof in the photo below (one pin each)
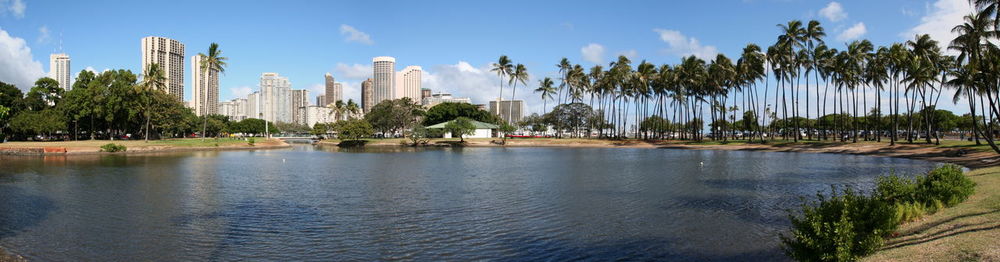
(483, 130)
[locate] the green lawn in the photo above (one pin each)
(197, 142)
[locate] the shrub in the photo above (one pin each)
(909, 211)
(111, 147)
(250, 141)
(841, 227)
(946, 184)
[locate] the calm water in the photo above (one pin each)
(321, 204)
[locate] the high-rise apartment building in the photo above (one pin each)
(253, 106)
(206, 89)
(321, 100)
(425, 93)
(235, 109)
(299, 99)
(169, 54)
(408, 84)
(331, 92)
(59, 70)
(510, 111)
(274, 98)
(367, 95)
(383, 79)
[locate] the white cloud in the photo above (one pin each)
(16, 64)
(240, 92)
(631, 54)
(852, 33)
(355, 71)
(43, 34)
(478, 83)
(593, 53)
(352, 34)
(15, 7)
(681, 45)
(939, 20)
(833, 12)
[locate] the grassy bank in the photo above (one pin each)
(969, 231)
(90, 146)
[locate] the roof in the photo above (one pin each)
(479, 125)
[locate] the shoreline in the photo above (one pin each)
(83, 147)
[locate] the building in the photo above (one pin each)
(383, 79)
(334, 90)
(206, 89)
(299, 99)
(425, 93)
(483, 130)
(408, 83)
(438, 98)
(321, 100)
(314, 114)
(367, 95)
(169, 54)
(234, 109)
(59, 70)
(253, 106)
(481, 107)
(510, 111)
(275, 101)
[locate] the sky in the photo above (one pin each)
(454, 41)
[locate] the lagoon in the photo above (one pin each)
(316, 203)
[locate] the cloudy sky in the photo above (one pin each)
(454, 41)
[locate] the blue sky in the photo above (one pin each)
(453, 41)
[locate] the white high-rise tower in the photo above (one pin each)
(59, 70)
(275, 98)
(383, 78)
(206, 95)
(169, 54)
(408, 83)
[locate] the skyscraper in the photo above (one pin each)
(253, 106)
(59, 70)
(299, 100)
(408, 84)
(169, 54)
(321, 100)
(510, 111)
(367, 95)
(206, 95)
(274, 98)
(332, 95)
(384, 77)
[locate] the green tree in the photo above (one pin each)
(546, 88)
(448, 111)
(153, 80)
(392, 116)
(460, 127)
(42, 122)
(213, 61)
(320, 129)
(354, 129)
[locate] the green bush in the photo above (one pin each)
(250, 141)
(113, 148)
(909, 211)
(946, 184)
(842, 227)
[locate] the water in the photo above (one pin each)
(322, 204)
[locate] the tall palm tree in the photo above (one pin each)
(813, 34)
(213, 61)
(502, 68)
(546, 88)
(519, 75)
(153, 80)
(564, 67)
(351, 108)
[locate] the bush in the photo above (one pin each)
(113, 148)
(250, 141)
(842, 227)
(946, 184)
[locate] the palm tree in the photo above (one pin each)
(519, 75)
(352, 109)
(213, 61)
(813, 34)
(545, 86)
(564, 67)
(152, 80)
(503, 68)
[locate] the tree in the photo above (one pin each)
(460, 127)
(391, 116)
(44, 95)
(503, 68)
(213, 61)
(320, 129)
(38, 122)
(520, 75)
(547, 90)
(571, 116)
(448, 111)
(153, 80)
(354, 129)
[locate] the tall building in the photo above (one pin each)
(438, 98)
(206, 89)
(59, 70)
(321, 100)
(332, 94)
(311, 115)
(425, 93)
(510, 111)
(274, 98)
(408, 83)
(235, 109)
(384, 77)
(299, 99)
(253, 106)
(169, 54)
(367, 95)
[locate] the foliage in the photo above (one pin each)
(112, 147)
(460, 127)
(251, 141)
(534, 123)
(252, 126)
(419, 134)
(573, 116)
(842, 227)
(353, 129)
(655, 124)
(391, 116)
(38, 122)
(448, 111)
(320, 129)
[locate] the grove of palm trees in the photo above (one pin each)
(797, 88)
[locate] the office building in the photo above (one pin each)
(299, 99)
(408, 83)
(59, 70)
(169, 54)
(438, 98)
(275, 101)
(510, 111)
(367, 95)
(383, 79)
(206, 89)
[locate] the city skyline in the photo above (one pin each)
(453, 65)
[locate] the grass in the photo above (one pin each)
(177, 142)
(966, 232)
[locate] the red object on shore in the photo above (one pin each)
(524, 136)
(55, 150)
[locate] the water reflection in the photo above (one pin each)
(387, 203)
